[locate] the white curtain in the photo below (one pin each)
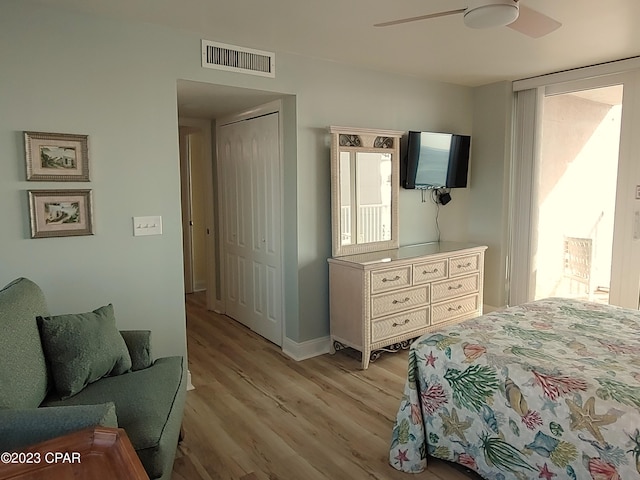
(524, 191)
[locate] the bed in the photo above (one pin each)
(549, 389)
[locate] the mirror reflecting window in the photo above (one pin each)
(364, 172)
(373, 198)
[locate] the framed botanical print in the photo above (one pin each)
(58, 157)
(60, 213)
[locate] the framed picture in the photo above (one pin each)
(58, 157)
(60, 213)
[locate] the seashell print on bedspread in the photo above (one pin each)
(548, 389)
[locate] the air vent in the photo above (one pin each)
(238, 59)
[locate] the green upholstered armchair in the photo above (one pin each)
(52, 381)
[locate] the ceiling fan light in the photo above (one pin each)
(497, 14)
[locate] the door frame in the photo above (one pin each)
(186, 202)
(269, 108)
(204, 127)
(626, 247)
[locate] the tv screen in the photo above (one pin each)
(436, 160)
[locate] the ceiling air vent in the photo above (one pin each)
(238, 59)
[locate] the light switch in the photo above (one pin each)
(147, 226)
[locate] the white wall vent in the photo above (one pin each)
(238, 59)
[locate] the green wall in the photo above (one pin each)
(489, 188)
(116, 81)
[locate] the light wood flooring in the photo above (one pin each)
(256, 414)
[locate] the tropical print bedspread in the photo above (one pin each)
(549, 389)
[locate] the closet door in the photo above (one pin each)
(249, 167)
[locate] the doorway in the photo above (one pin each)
(576, 196)
(193, 187)
(202, 105)
(606, 199)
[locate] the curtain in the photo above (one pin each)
(523, 194)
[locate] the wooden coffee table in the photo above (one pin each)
(92, 454)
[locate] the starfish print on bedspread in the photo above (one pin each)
(431, 359)
(545, 472)
(586, 418)
(452, 425)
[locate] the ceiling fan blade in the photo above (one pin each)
(421, 17)
(533, 23)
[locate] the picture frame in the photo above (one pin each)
(60, 213)
(58, 157)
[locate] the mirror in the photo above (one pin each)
(364, 190)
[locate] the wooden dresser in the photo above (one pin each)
(380, 301)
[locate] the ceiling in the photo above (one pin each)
(442, 49)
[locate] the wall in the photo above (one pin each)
(116, 82)
(489, 187)
(376, 100)
(72, 74)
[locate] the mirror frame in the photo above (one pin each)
(369, 141)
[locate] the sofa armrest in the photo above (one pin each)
(139, 346)
(20, 428)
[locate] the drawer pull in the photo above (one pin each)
(395, 302)
(466, 265)
(451, 309)
(455, 288)
(385, 279)
(425, 272)
(394, 324)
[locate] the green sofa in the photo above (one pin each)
(47, 390)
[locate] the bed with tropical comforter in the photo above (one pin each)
(548, 389)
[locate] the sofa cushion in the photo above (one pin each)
(149, 404)
(83, 348)
(139, 345)
(23, 376)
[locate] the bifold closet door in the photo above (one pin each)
(249, 160)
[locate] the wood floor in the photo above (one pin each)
(255, 414)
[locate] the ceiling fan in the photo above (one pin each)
(494, 13)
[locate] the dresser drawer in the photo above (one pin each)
(385, 280)
(454, 288)
(397, 325)
(427, 272)
(464, 264)
(398, 301)
(441, 312)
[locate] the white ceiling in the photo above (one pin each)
(593, 31)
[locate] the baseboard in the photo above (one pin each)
(189, 384)
(308, 349)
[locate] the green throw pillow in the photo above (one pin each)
(83, 348)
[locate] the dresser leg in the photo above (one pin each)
(366, 356)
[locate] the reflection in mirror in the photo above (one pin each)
(364, 190)
(346, 226)
(373, 198)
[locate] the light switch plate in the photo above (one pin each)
(151, 225)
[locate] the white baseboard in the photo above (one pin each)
(308, 349)
(189, 384)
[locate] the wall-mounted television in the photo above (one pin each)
(435, 160)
